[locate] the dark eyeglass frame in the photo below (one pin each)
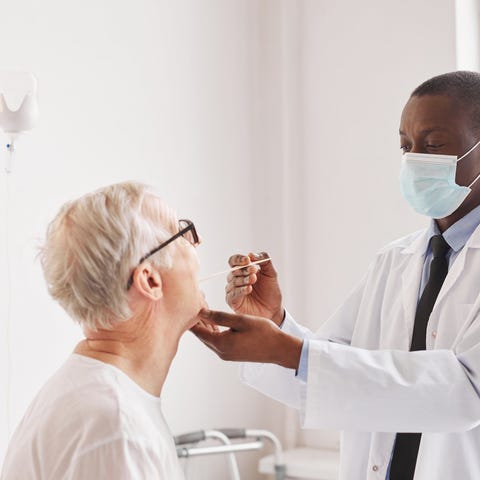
(189, 228)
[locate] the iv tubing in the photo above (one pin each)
(8, 388)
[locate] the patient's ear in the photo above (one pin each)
(148, 281)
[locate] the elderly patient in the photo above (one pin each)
(123, 266)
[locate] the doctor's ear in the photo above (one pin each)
(148, 281)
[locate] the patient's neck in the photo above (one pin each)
(141, 347)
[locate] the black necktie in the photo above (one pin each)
(405, 453)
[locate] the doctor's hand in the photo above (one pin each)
(248, 339)
(254, 290)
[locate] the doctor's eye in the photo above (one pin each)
(405, 148)
(432, 146)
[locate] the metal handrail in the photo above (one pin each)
(186, 448)
(185, 452)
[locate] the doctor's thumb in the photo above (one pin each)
(267, 267)
(224, 319)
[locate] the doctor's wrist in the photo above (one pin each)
(288, 351)
(279, 316)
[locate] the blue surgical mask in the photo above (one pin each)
(427, 182)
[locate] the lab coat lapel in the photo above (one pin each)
(453, 274)
(457, 268)
(410, 285)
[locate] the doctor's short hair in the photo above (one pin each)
(463, 86)
(93, 245)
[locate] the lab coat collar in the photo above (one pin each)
(457, 267)
(461, 231)
(419, 245)
(474, 240)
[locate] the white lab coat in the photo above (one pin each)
(362, 379)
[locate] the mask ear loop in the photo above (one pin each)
(471, 150)
(464, 155)
(476, 178)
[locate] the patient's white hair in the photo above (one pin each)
(94, 244)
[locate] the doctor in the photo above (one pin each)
(397, 367)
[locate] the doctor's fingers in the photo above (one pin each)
(235, 296)
(240, 280)
(230, 320)
(203, 325)
(242, 270)
(204, 333)
(249, 339)
(209, 338)
(212, 338)
(220, 343)
(238, 259)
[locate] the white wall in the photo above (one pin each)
(157, 91)
(272, 123)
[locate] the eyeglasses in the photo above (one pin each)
(187, 231)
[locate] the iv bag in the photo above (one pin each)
(18, 102)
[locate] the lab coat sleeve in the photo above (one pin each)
(119, 459)
(351, 388)
(282, 384)
(274, 381)
(339, 327)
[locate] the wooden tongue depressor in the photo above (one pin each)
(233, 269)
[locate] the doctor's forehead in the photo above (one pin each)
(428, 113)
